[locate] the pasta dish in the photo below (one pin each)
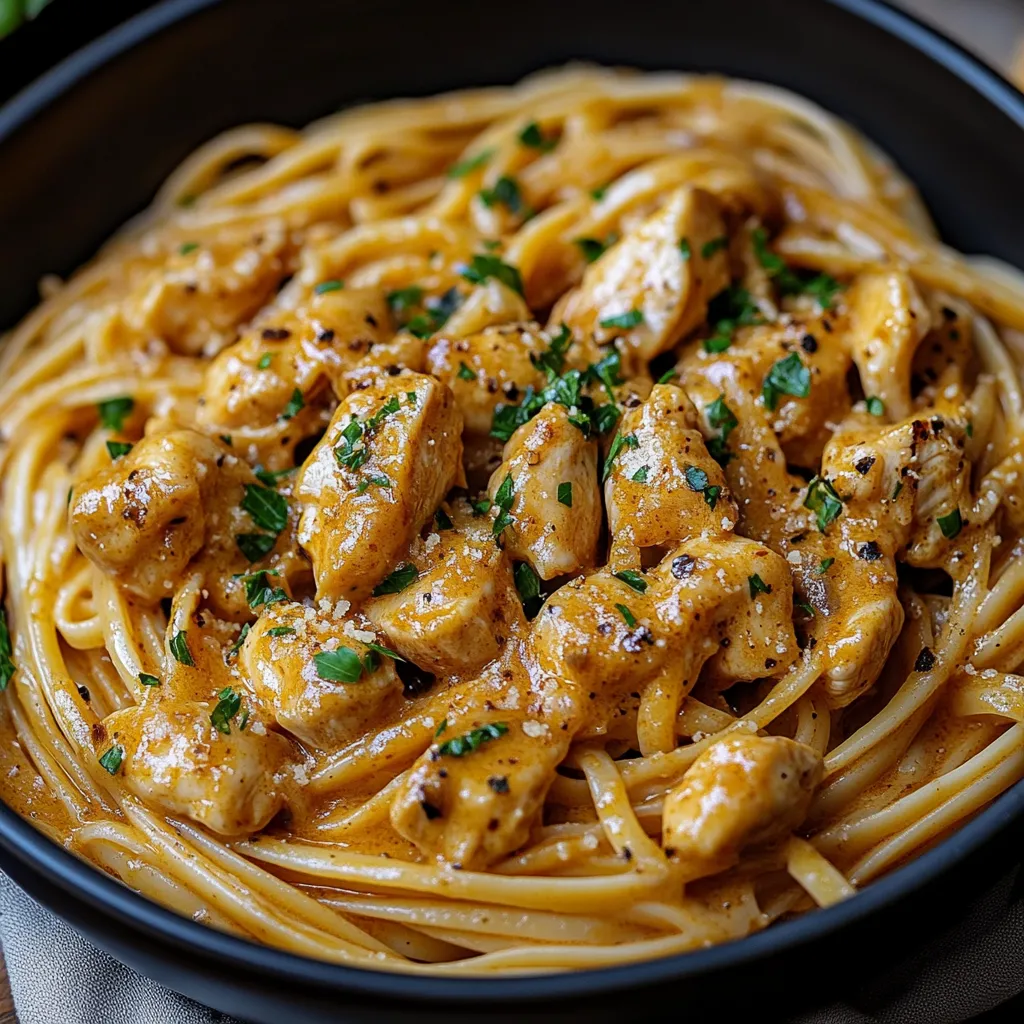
(519, 530)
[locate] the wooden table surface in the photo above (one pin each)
(987, 27)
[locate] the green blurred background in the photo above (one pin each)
(14, 12)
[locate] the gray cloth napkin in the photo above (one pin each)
(965, 971)
(51, 965)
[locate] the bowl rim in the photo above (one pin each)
(80, 880)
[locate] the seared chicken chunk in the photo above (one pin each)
(474, 796)
(176, 759)
(390, 454)
(663, 486)
(314, 673)
(547, 483)
(887, 322)
(462, 607)
(488, 369)
(176, 500)
(741, 791)
(648, 289)
(196, 299)
(277, 379)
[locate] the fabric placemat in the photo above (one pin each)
(965, 971)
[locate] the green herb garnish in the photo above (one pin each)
(334, 285)
(789, 376)
(951, 524)
(397, 580)
(627, 615)
(465, 373)
(823, 501)
(758, 585)
(619, 442)
(179, 648)
(459, 746)
(565, 494)
(118, 448)
(504, 193)
(528, 587)
(341, 665)
(534, 138)
(624, 320)
(875, 406)
(7, 666)
(483, 267)
(267, 508)
(111, 760)
(632, 579)
(281, 631)
(255, 545)
(147, 680)
(470, 164)
(228, 703)
(114, 411)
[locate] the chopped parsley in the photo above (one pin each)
(528, 587)
(758, 585)
(552, 360)
(441, 728)
(504, 193)
(823, 501)
(228, 704)
(435, 315)
(465, 373)
(341, 665)
(186, 247)
(503, 502)
(532, 137)
(565, 494)
(875, 406)
(789, 376)
(619, 442)
(632, 579)
(624, 320)
(731, 308)
(951, 524)
(484, 266)
(443, 520)
(111, 760)
(333, 285)
(592, 249)
(270, 477)
(640, 476)
(295, 404)
(821, 287)
(685, 249)
(397, 580)
(255, 546)
(259, 592)
(805, 607)
(281, 631)
(268, 509)
(114, 411)
(896, 490)
(696, 478)
(386, 651)
(470, 164)
(826, 564)
(403, 301)
(147, 680)
(118, 448)
(711, 494)
(237, 645)
(265, 360)
(720, 418)
(459, 746)
(597, 194)
(373, 481)
(7, 666)
(667, 377)
(709, 248)
(179, 648)
(627, 615)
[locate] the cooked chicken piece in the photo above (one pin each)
(647, 277)
(548, 485)
(663, 486)
(390, 454)
(475, 795)
(458, 613)
(488, 369)
(179, 499)
(740, 792)
(614, 635)
(251, 387)
(888, 319)
(490, 303)
(196, 299)
(175, 758)
(314, 673)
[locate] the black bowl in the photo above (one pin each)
(85, 148)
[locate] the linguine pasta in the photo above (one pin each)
(521, 530)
